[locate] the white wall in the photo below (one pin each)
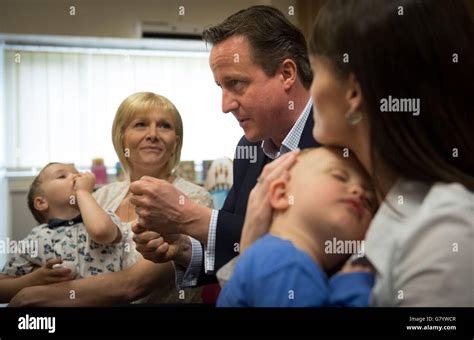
(117, 18)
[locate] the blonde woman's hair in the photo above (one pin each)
(139, 103)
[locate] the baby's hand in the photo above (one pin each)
(47, 274)
(84, 181)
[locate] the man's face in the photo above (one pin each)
(255, 99)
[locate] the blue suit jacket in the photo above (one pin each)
(231, 216)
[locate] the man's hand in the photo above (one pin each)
(162, 248)
(166, 210)
(84, 181)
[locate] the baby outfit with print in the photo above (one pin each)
(69, 241)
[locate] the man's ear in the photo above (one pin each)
(278, 194)
(289, 73)
(40, 203)
(354, 95)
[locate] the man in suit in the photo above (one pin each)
(259, 60)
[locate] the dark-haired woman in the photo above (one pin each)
(391, 83)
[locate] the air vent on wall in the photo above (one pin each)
(160, 29)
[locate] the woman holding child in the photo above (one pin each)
(420, 241)
(147, 134)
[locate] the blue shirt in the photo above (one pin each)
(274, 273)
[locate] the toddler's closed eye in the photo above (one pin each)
(340, 176)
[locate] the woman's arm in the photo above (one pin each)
(10, 285)
(102, 290)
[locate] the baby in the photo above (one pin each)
(327, 198)
(75, 238)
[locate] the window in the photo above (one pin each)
(60, 101)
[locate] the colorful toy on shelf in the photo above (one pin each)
(100, 172)
(219, 180)
(119, 174)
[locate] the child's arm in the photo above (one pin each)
(98, 223)
(286, 284)
(352, 286)
(10, 285)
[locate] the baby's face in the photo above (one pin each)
(57, 184)
(333, 191)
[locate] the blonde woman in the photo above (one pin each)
(147, 134)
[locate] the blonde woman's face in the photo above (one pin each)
(150, 140)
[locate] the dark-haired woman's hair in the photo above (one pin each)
(408, 49)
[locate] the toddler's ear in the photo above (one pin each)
(40, 203)
(278, 194)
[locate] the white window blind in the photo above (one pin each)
(60, 102)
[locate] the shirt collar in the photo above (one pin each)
(55, 222)
(292, 139)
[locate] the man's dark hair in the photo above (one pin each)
(271, 36)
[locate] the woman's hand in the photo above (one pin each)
(259, 212)
(47, 274)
